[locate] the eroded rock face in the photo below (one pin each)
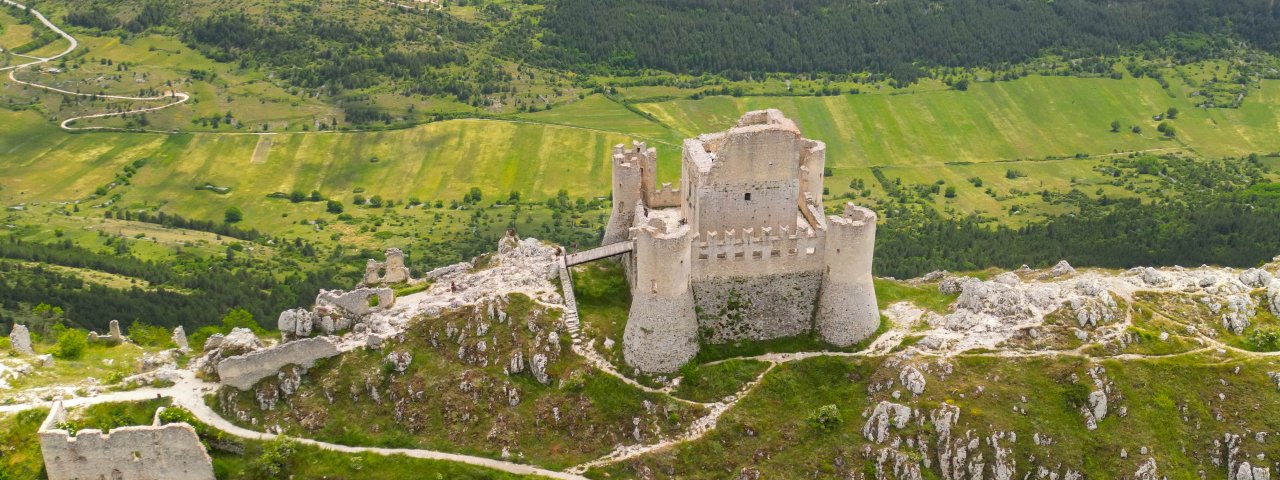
(912, 380)
(885, 415)
(1147, 471)
(1240, 309)
(1255, 278)
(219, 347)
(539, 369)
(1273, 297)
(242, 371)
(20, 340)
(296, 323)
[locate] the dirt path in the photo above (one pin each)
(176, 97)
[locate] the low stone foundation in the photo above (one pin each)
(756, 308)
(243, 371)
(155, 452)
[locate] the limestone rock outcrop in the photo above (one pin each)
(244, 370)
(1255, 277)
(912, 380)
(180, 339)
(20, 340)
(1273, 297)
(884, 416)
(1241, 308)
(218, 347)
(399, 360)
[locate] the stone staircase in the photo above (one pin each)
(570, 302)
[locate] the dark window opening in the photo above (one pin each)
(747, 197)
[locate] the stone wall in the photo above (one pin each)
(758, 307)
(156, 452)
(243, 371)
(390, 271)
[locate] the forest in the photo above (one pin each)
(1203, 212)
(899, 38)
(192, 292)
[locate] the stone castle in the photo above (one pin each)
(741, 250)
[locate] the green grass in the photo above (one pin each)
(22, 459)
(925, 296)
(714, 382)
(1172, 407)
(462, 405)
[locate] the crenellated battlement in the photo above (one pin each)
(744, 231)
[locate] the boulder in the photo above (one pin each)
(399, 361)
(1061, 269)
(912, 380)
(1240, 309)
(296, 323)
(1273, 297)
(20, 340)
(1255, 278)
(539, 369)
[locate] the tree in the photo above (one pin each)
(375, 201)
(1170, 132)
(233, 215)
(240, 318)
(358, 199)
(514, 197)
(951, 191)
(297, 196)
(333, 206)
(1115, 126)
(473, 196)
(1171, 113)
(1135, 129)
(315, 196)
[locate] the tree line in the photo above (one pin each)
(899, 37)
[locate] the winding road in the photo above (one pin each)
(177, 97)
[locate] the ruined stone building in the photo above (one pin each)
(742, 249)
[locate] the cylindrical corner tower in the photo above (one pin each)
(847, 311)
(662, 328)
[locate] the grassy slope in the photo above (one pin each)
(23, 461)
(768, 430)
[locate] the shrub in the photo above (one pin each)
(826, 418)
(71, 344)
(148, 335)
(233, 215)
(333, 206)
(1265, 339)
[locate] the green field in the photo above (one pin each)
(1037, 125)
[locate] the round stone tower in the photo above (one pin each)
(662, 329)
(847, 311)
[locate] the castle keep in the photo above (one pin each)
(742, 249)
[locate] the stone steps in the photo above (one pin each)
(570, 302)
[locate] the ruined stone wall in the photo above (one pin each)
(156, 452)
(390, 271)
(847, 310)
(813, 161)
(243, 371)
(757, 307)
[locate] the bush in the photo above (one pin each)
(233, 215)
(334, 207)
(71, 344)
(826, 418)
(1265, 339)
(239, 317)
(149, 335)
